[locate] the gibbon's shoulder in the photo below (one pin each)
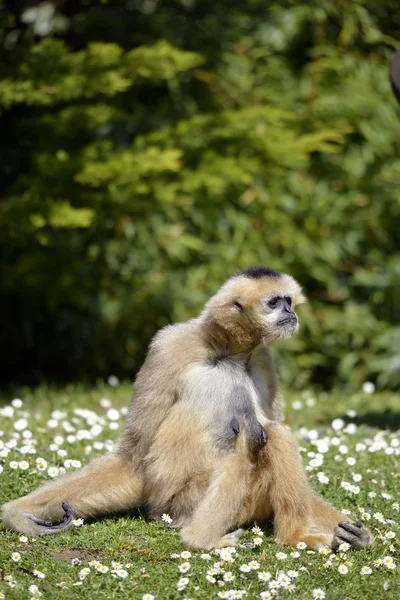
(176, 339)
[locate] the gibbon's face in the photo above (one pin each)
(257, 309)
(277, 316)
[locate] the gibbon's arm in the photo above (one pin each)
(158, 385)
(239, 428)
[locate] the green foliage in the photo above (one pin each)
(151, 151)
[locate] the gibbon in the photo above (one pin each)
(203, 439)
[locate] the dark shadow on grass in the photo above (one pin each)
(381, 420)
(386, 419)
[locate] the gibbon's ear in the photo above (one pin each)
(394, 74)
(299, 299)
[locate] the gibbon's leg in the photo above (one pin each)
(218, 510)
(299, 514)
(105, 485)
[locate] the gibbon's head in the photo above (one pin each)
(255, 306)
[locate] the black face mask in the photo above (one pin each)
(394, 73)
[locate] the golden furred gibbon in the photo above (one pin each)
(203, 439)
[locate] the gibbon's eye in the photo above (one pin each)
(288, 300)
(273, 302)
(238, 305)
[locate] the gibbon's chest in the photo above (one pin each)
(207, 384)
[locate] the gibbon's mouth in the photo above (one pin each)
(288, 321)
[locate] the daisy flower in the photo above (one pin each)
(284, 580)
(226, 555)
(318, 593)
(343, 569)
(387, 560)
(39, 574)
(379, 517)
(245, 568)
(301, 545)
(366, 571)
(184, 567)
(84, 573)
(122, 573)
(167, 519)
(323, 478)
(273, 584)
(102, 568)
(34, 590)
(344, 547)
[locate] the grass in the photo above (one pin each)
(150, 554)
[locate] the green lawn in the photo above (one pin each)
(150, 554)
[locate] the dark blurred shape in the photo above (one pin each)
(395, 74)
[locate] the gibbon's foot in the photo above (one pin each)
(230, 539)
(354, 534)
(66, 523)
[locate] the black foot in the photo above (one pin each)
(354, 534)
(69, 516)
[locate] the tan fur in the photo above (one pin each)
(177, 452)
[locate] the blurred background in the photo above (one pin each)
(150, 148)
